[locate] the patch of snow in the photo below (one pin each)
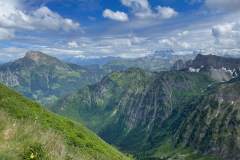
(194, 69)
(228, 70)
(114, 112)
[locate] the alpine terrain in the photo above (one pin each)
(146, 113)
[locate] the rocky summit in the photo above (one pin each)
(219, 68)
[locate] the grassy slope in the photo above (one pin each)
(27, 130)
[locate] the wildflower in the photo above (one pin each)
(32, 156)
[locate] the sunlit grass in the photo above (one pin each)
(28, 130)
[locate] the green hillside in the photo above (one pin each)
(27, 131)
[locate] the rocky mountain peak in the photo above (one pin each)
(36, 56)
(218, 67)
(40, 58)
(215, 61)
(166, 54)
(212, 61)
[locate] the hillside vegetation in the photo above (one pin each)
(27, 131)
(137, 110)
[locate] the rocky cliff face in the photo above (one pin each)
(219, 68)
(212, 124)
(214, 61)
(9, 78)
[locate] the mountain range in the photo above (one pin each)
(45, 78)
(160, 60)
(187, 110)
(178, 114)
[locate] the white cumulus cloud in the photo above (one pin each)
(13, 16)
(222, 30)
(143, 9)
(174, 43)
(117, 16)
(166, 12)
(73, 44)
(227, 34)
(47, 19)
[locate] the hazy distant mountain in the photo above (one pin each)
(90, 61)
(162, 60)
(45, 78)
(158, 61)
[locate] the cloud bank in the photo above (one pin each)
(13, 16)
(142, 9)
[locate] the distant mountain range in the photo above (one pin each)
(45, 78)
(178, 114)
(159, 61)
(90, 61)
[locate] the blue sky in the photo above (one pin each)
(127, 28)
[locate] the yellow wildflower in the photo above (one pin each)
(32, 156)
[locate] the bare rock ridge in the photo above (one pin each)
(209, 61)
(41, 58)
(219, 68)
(214, 61)
(35, 55)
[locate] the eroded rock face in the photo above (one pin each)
(219, 68)
(213, 122)
(129, 108)
(9, 78)
(215, 62)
